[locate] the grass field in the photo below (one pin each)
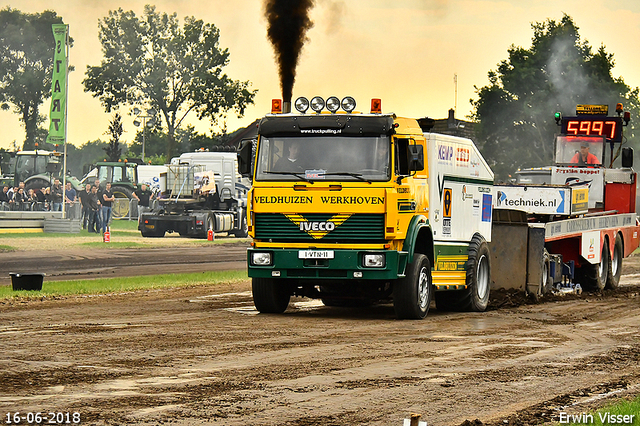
(118, 285)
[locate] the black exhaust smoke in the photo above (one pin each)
(288, 22)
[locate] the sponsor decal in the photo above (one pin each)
(321, 131)
(445, 153)
(446, 202)
(486, 207)
(317, 229)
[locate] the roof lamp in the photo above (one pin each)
(302, 104)
(619, 108)
(348, 104)
(276, 106)
(317, 104)
(333, 104)
(376, 106)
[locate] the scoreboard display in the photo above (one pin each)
(595, 125)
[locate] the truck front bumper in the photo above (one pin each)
(334, 264)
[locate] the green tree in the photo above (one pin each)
(174, 70)
(113, 149)
(26, 63)
(515, 112)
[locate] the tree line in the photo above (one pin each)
(155, 62)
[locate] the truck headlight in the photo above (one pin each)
(261, 259)
(374, 260)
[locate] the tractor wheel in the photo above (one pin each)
(270, 296)
(36, 183)
(120, 207)
(615, 266)
(412, 294)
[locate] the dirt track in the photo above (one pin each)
(204, 356)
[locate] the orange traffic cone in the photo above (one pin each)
(106, 237)
(210, 235)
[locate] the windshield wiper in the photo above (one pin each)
(355, 175)
(299, 175)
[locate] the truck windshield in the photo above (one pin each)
(580, 150)
(334, 158)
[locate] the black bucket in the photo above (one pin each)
(28, 281)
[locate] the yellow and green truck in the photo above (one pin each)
(356, 208)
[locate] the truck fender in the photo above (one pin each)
(419, 238)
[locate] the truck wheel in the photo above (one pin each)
(243, 230)
(120, 207)
(412, 294)
(594, 277)
(270, 296)
(545, 278)
(208, 225)
(615, 266)
(475, 297)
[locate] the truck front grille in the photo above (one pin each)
(357, 228)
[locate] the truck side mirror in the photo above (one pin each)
(627, 157)
(244, 158)
(416, 158)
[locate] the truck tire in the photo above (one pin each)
(270, 296)
(412, 294)
(121, 209)
(243, 230)
(209, 225)
(615, 266)
(594, 277)
(475, 298)
(478, 275)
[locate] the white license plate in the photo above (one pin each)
(315, 254)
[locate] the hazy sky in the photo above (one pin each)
(405, 52)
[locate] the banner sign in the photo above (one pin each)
(58, 110)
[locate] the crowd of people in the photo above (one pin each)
(33, 199)
(96, 203)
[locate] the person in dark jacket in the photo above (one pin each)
(94, 215)
(84, 200)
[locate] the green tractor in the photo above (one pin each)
(123, 176)
(39, 168)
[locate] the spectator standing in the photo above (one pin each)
(70, 194)
(94, 215)
(86, 209)
(56, 196)
(106, 199)
(144, 196)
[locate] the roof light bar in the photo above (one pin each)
(333, 104)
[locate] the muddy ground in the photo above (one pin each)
(203, 355)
